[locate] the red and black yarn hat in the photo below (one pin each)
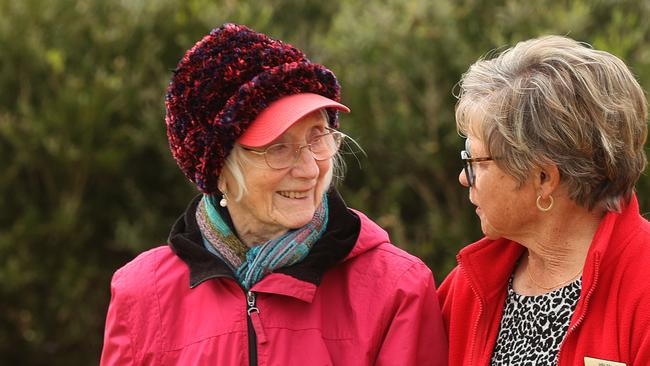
(222, 84)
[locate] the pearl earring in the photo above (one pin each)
(224, 201)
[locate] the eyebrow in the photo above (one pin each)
(319, 129)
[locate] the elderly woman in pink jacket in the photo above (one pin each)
(267, 266)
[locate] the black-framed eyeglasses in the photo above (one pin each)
(284, 155)
(468, 160)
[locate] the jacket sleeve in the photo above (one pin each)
(415, 334)
(118, 348)
(643, 355)
(642, 332)
(445, 288)
(446, 296)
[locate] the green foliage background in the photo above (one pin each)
(87, 180)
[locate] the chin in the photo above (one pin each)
(492, 235)
(489, 232)
(298, 221)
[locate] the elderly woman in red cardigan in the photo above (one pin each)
(555, 133)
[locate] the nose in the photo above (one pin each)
(462, 178)
(305, 166)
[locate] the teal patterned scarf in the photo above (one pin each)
(252, 264)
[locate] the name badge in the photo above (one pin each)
(589, 361)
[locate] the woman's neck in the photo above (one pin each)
(253, 235)
(251, 239)
(249, 229)
(556, 250)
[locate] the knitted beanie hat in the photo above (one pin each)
(224, 82)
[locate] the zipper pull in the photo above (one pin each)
(254, 314)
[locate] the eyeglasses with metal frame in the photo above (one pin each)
(284, 155)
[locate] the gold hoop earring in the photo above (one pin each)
(539, 205)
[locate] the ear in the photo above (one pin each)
(221, 183)
(546, 179)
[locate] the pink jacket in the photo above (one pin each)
(376, 305)
(611, 321)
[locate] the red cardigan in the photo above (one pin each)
(611, 321)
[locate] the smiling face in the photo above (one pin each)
(279, 200)
(505, 209)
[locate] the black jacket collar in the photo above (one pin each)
(338, 240)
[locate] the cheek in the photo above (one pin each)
(326, 173)
(262, 187)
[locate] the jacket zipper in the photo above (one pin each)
(584, 312)
(478, 318)
(255, 329)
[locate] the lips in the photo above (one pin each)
(294, 194)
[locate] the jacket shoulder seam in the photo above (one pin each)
(399, 253)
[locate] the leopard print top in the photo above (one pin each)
(533, 327)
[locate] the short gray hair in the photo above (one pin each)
(555, 100)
